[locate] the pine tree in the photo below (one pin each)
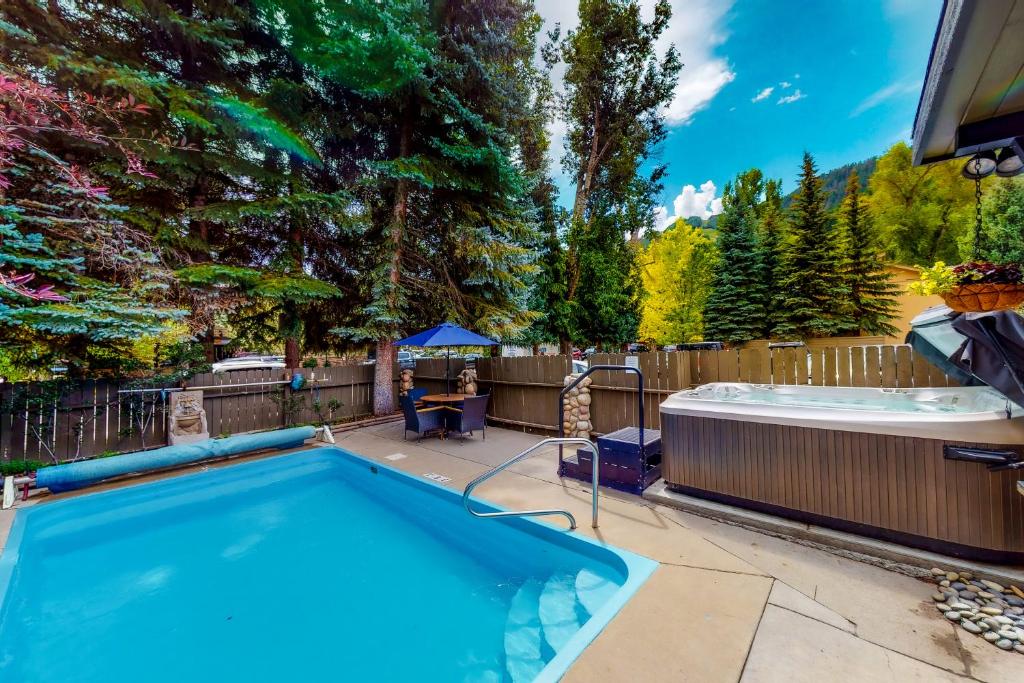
(736, 309)
(444, 209)
(815, 291)
(223, 160)
(771, 239)
(872, 292)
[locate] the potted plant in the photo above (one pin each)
(974, 287)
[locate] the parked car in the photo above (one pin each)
(636, 347)
(702, 346)
(579, 366)
(406, 360)
(786, 345)
(249, 363)
(670, 347)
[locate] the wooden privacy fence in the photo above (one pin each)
(68, 420)
(525, 390)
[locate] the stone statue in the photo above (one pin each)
(186, 419)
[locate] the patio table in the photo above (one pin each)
(447, 400)
(444, 399)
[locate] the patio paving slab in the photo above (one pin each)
(792, 648)
(888, 608)
(682, 625)
(795, 601)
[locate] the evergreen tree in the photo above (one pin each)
(815, 289)
(771, 239)
(444, 207)
(736, 308)
(872, 293)
(76, 284)
(220, 158)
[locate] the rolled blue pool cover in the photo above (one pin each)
(76, 475)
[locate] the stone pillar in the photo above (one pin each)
(405, 381)
(467, 382)
(576, 405)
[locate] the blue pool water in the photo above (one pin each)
(317, 565)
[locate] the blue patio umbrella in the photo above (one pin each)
(446, 335)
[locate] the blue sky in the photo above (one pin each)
(844, 78)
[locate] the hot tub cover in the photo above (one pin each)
(974, 348)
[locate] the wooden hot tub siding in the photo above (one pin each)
(891, 487)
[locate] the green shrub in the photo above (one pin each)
(16, 467)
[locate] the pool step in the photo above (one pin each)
(558, 611)
(593, 590)
(523, 657)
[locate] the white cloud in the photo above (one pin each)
(784, 84)
(696, 88)
(690, 202)
(697, 28)
(763, 95)
(888, 92)
(795, 97)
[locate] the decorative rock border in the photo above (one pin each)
(405, 379)
(984, 608)
(576, 414)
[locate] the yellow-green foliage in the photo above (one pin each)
(676, 272)
(935, 280)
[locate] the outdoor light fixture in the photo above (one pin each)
(980, 165)
(1009, 162)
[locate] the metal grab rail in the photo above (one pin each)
(594, 368)
(533, 513)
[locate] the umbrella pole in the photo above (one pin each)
(448, 371)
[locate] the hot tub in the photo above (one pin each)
(858, 459)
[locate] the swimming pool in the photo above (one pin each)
(316, 565)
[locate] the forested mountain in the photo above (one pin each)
(833, 183)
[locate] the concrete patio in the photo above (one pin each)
(727, 603)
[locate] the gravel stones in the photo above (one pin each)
(981, 607)
(971, 627)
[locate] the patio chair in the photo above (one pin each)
(472, 416)
(421, 420)
(416, 394)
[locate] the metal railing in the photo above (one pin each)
(534, 513)
(594, 368)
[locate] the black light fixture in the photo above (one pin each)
(1010, 162)
(980, 165)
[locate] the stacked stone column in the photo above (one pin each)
(405, 381)
(576, 408)
(467, 382)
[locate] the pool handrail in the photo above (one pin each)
(585, 443)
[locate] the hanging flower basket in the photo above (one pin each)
(975, 287)
(982, 298)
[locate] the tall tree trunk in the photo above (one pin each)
(383, 395)
(290, 319)
(383, 378)
(584, 186)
